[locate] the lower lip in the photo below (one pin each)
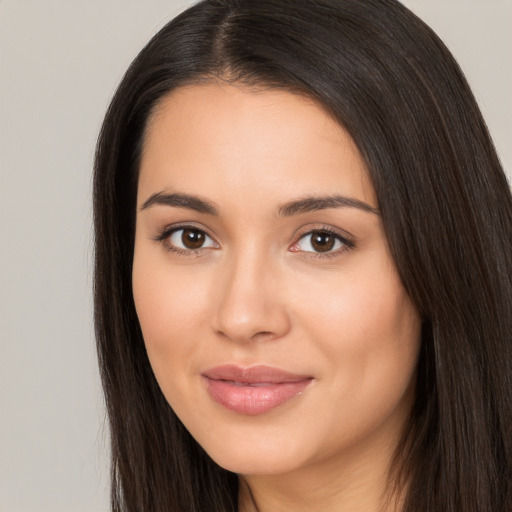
(255, 399)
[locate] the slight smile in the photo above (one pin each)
(253, 390)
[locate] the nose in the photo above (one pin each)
(250, 304)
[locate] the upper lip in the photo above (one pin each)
(253, 374)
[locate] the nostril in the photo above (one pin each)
(263, 334)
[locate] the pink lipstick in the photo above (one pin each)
(253, 390)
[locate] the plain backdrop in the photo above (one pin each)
(60, 62)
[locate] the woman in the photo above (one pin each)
(303, 268)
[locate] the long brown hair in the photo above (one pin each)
(447, 211)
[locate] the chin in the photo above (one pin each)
(256, 463)
(256, 454)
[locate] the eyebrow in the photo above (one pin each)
(305, 205)
(313, 204)
(181, 201)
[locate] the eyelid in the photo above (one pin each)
(166, 232)
(347, 240)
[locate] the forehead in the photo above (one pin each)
(204, 137)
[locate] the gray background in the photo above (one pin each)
(60, 62)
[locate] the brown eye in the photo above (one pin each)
(190, 239)
(321, 242)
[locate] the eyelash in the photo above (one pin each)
(167, 232)
(346, 243)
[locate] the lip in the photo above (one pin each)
(255, 389)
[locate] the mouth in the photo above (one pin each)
(253, 390)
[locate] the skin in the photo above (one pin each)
(258, 292)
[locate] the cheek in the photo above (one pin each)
(171, 311)
(367, 331)
(366, 306)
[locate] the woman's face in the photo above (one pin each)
(273, 315)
